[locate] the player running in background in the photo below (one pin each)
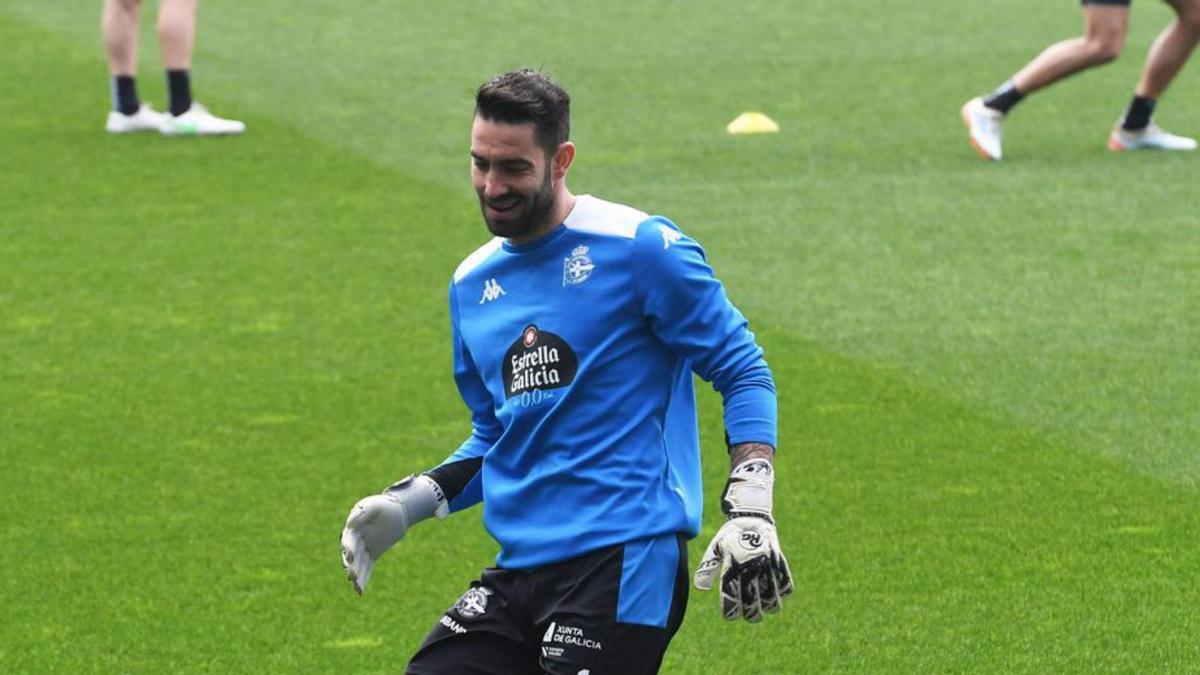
(576, 331)
(176, 38)
(1106, 23)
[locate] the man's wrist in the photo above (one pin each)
(743, 452)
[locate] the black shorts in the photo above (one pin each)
(613, 610)
(1117, 3)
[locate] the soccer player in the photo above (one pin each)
(176, 37)
(576, 331)
(1105, 24)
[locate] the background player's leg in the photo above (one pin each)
(1166, 58)
(177, 32)
(1105, 26)
(177, 39)
(1171, 50)
(119, 27)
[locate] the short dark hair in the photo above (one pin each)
(524, 96)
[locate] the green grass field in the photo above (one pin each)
(209, 349)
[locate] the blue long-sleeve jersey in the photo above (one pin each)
(575, 356)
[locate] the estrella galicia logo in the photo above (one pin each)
(578, 267)
(538, 360)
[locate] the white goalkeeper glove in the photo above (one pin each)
(378, 521)
(754, 574)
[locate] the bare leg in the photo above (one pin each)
(119, 26)
(1171, 49)
(1105, 27)
(177, 32)
(177, 37)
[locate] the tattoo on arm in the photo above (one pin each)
(744, 451)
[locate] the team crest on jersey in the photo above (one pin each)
(473, 603)
(578, 267)
(538, 360)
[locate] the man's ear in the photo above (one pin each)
(562, 159)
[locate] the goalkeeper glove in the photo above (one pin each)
(754, 573)
(378, 521)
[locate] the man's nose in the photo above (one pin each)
(493, 187)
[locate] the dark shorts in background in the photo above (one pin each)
(609, 611)
(1117, 3)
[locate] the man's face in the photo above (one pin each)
(512, 177)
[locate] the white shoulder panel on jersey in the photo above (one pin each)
(476, 259)
(597, 216)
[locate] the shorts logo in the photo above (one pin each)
(569, 636)
(751, 541)
(537, 361)
(578, 267)
(452, 625)
(473, 603)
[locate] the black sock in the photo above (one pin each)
(1004, 98)
(179, 91)
(124, 94)
(1137, 115)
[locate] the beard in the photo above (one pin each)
(526, 216)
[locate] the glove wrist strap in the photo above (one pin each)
(750, 490)
(421, 496)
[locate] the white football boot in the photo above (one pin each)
(984, 126)
(197, 121)
(145, 119)
(1150, 138)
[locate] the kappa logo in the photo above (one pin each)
(751, 541)
(578, 267)
(491, 291)
(473, 603)
(669, 236)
